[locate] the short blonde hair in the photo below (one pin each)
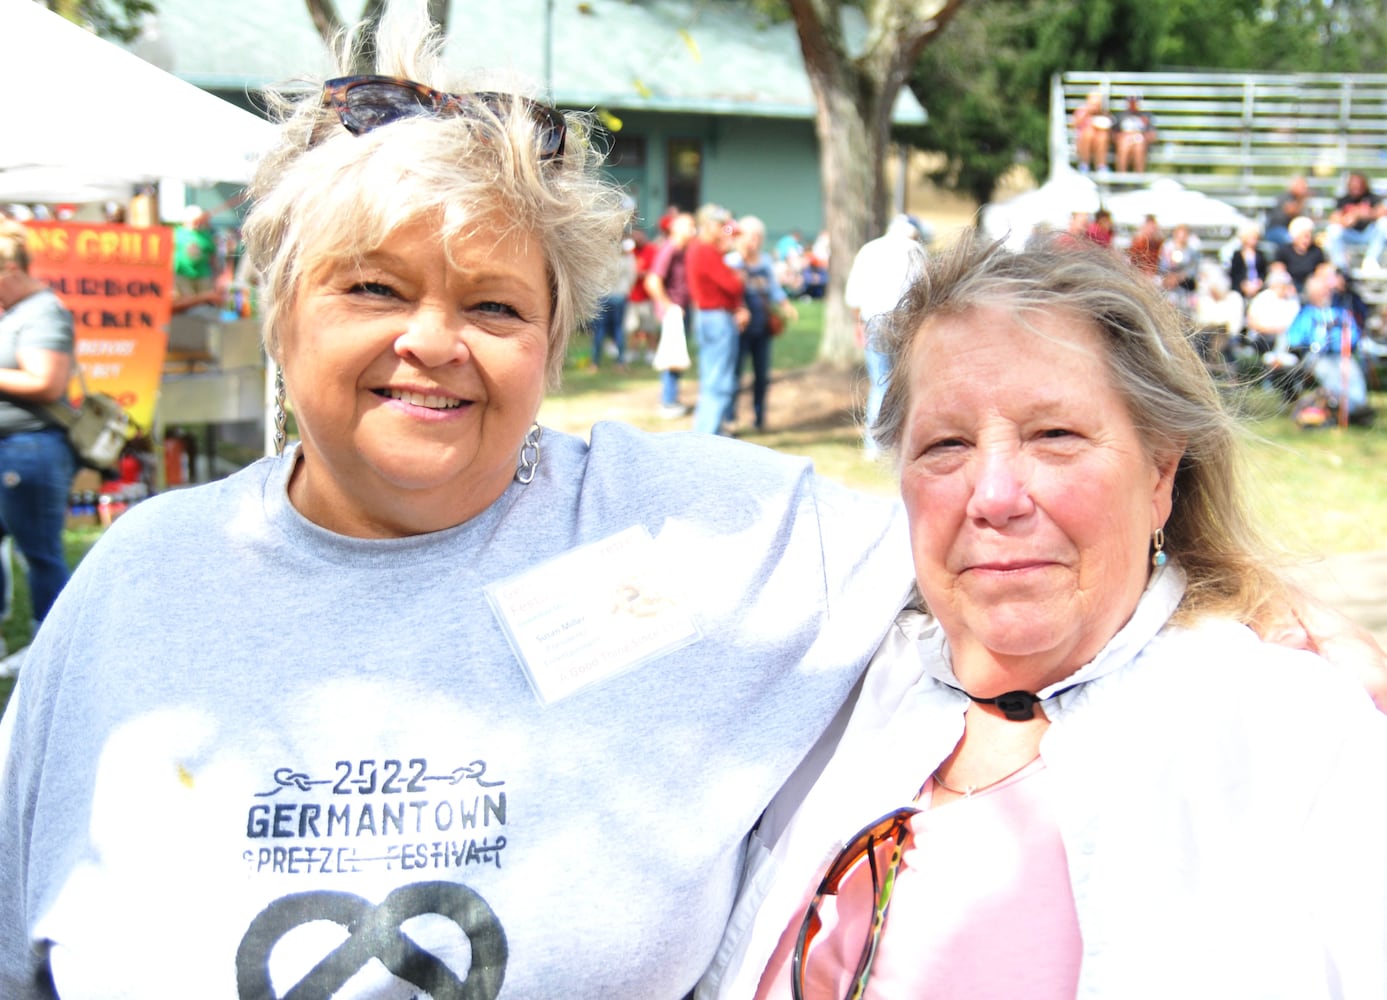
(323, 194)
(1300, 224)
(710, 218)
(752, 224)
(14, 244)
(1164, 383)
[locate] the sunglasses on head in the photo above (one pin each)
(880, 845)
(364, 103)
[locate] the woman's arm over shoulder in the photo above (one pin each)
(1309, 623)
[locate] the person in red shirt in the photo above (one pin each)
(1100, 229)
(1145, 249)
(642, 326)
(716, 291)
(667, 285)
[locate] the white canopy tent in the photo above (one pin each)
(1069, 191)
(1172, 204)
(87, 120)
(1051, 204)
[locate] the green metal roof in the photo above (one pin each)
(705, 56)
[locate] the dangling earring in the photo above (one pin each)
(281, 418)
(1158, 556)
(529, 456)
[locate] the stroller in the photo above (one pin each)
(1328, 381)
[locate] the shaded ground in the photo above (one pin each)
(814, 400)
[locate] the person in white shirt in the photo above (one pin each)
(1218, 316)
(1270, 311)
(881, 271)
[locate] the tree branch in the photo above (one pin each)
(325, 19)
(819, 25)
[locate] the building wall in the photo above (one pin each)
(767, 167)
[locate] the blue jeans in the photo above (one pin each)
(669, 387)
(1339, 238)
(878, 369)
(36, 470)
(718, 344)
(610, 322)
(669, 380)
(756, 347)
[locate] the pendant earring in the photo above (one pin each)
(529, 456)
(1158, 556)
(281, 417)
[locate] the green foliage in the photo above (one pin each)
(15, 628)
(983, 85)
(986, 80)
(118, 19)
(1343, 36)
(1204, 34)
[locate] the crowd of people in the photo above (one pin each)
(732, 295)
(1279, 304)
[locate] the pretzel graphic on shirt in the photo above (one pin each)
(375, 932)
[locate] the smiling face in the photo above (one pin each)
(414, 374)
(1030, 495)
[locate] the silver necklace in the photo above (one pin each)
(969, 790)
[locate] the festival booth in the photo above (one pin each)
(108, 125)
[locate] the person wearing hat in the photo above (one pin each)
(716, 290)
(1302, 255)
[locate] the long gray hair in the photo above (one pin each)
(1168, 391)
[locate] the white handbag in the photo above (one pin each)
(672, 353)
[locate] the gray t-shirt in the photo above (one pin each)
(37, 321)
(246, 752)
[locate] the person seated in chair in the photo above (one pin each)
(1314, 340)
(1136, 132)
(1357, 221)
(1092, 133)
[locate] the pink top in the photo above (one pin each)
(982, 908)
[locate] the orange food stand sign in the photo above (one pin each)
(117, 280)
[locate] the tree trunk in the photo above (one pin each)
(329, 22)
(854, 208)
(854, 97)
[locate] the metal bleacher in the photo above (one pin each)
(1240, 137)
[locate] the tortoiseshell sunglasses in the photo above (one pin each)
(890, 830)
(364, 103)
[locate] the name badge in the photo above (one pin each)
(591, 614)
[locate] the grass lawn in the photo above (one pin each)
(15, 628)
